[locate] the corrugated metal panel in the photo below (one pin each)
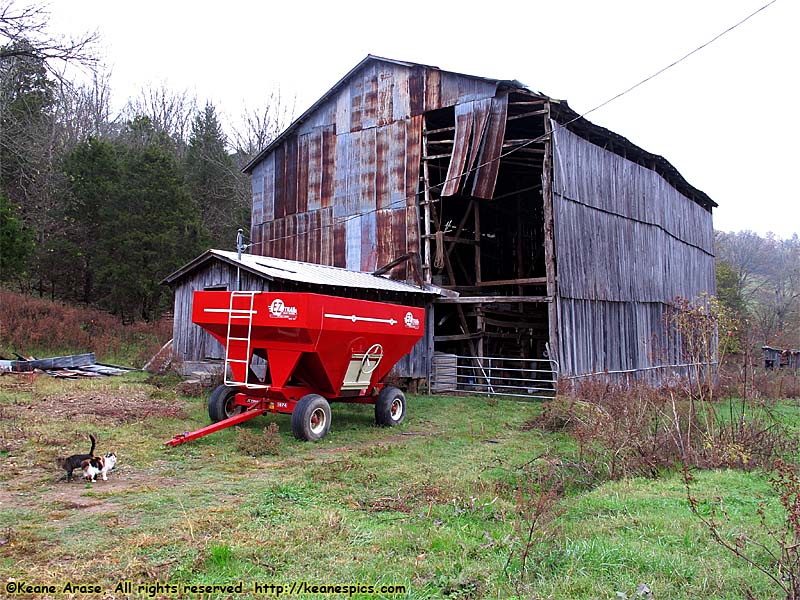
(287, 270)
(328, 164)
(491, 149)
(279, 199)
(269, 190)
(353, 243)
(463, 135)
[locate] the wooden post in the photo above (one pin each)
(549, 238)
(477, 217)
(426, 183)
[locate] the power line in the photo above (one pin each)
(403, 201)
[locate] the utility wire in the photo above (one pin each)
(403, 201)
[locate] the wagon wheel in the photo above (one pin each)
(375, 352)
(390, 407)
(311, 418)
(222, 403)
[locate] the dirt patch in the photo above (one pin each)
(133, 406)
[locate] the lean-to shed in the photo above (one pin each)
(562, 239)
(223, 270)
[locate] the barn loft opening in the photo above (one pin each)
(484, 240)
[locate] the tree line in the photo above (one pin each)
(758, 278)
(95, 207)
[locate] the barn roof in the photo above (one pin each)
(301, 272)
(562, 113)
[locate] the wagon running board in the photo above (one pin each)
(229, 422)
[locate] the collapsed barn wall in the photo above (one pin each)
(627, 243)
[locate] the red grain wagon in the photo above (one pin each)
(318, 349)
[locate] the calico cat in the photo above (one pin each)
(99, 465)
(70, 463)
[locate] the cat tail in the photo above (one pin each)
(94, 442)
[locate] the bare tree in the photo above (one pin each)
(169, 112)
(85, 111)
(31, 23)
(259, 126)
(777, 310)
(747, 254)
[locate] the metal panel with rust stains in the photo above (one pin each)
(413, 147)
(385, 239)
(291, 176)
(327, 237)
(491, 149)
(341, 173)
(369, 250)
(401, 98)
(279, 201)
(480, 112)
(416, 90)
(328, 165)
(385, 95)
(383, 164)
(433, 84)
(303, 171)
(314, 170)
(368, 169)
(353, 243)
(339, 243)
(268, 205)
(463, 135)
(369, 98)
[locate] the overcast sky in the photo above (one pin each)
(726, 117)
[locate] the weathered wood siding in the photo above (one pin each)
(341, 188)
(627, 243)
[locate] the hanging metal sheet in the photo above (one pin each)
(491, 149)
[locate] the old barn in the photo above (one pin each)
(562, 239)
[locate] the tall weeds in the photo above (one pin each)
(33, 326)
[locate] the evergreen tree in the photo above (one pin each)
(132, 219)
(15, 242)
(212, 177)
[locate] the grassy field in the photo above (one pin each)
(433, 505)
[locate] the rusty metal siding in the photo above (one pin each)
(351, 170)
(328, 168)
(488, 165)
(279, 199)
(257, 215)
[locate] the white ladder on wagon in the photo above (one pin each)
(247, 314)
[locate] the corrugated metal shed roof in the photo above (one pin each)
(302, 272)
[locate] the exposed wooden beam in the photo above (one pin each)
(521, 281)
(532, 113)
(493, 299)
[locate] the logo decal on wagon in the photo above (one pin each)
(410, 321)
(279, 310)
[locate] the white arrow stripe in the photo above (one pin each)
(354, 318)
(234, 312)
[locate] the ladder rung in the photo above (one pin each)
(235, 339)
(236, 360)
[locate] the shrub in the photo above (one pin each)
(266, 442)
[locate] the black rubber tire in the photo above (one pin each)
(390, 407)
(311, 418)
(220, 404)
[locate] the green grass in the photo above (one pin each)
(431, 504)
